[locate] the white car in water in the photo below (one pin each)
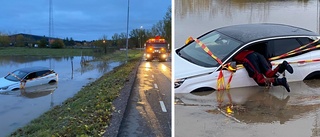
(195, 70)
(27, 77)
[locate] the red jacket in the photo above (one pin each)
(241, 57)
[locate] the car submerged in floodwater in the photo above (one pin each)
(196, 70)
(27, 77)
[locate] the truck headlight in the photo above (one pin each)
(178, 82)
(164, 55)
(148, 55)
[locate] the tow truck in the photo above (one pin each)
(156, 48)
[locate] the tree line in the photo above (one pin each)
(26, 40)
(137, 38)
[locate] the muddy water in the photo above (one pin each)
(20, 107)
(255, 111)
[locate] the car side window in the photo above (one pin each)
(31, 76)
(305, 41)
(281, 46)
(42, 73)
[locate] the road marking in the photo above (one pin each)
(163, 107)
(152, 76)
(155, 86)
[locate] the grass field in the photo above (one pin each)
(88, 113)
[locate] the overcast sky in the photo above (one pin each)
(79, 19)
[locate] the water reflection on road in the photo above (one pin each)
(254, 108)
(20, 107)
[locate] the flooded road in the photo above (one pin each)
(148, 112)
(255, 111)
(252, 111)
(19, 108)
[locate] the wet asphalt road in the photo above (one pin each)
(149, 107)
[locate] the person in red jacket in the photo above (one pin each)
(260, 69)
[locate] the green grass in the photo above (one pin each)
(44, 51)
(88, 113)
(121, 55)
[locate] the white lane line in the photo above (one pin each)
(155, 86)
(163, 107)
(152, 76)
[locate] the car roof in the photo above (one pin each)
(251, 32)
(33, 69)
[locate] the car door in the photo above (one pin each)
(31, 80)
(43, 76)
(241, 78)
(279, 47)
(273, 48)
(37, 78)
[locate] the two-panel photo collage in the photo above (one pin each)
(160, 68)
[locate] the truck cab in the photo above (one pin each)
(156, 48)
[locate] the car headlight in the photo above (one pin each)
(4, 88)
(178, 82)
(164, 55)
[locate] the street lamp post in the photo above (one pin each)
(141, 27)
(127, 33)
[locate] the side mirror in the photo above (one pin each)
(232, 66)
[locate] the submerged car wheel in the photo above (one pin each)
(313, 75)
(52, 82)
(15, 89)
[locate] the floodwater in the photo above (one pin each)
(20, 107)
(255, 111)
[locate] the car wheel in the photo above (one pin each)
(52, 82)
(15, 89)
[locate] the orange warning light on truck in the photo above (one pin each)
(156, 48)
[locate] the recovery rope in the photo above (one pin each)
(220, 80)
(297, 50)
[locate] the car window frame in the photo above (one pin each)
(42, 72)
(272, 47)
(27, 76)
(253, 42)
(226, 56)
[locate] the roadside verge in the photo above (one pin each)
(120, 104)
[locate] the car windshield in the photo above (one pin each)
(220, 45)
(16, 75)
